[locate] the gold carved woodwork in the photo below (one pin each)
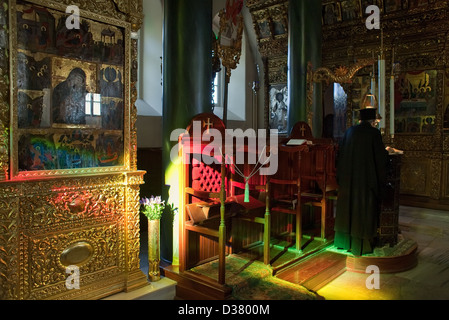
(4, 94)
(107, 11)
(446, 143)
(133, 108)
(277, 70)
(270, 21)
(445, 175)
(47, 270)
(230, 54)
(421, 175)
(85, 216)
(414, 177)
(125, 10)
(342, 74)
(419, 37)
(41, 219)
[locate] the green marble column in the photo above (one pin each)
(304, 45)
(187, 91)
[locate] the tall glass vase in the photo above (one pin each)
(154, 255)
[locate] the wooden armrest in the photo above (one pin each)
(282, 181)
(202, 230)
(202, 194)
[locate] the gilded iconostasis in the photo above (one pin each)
(69, 191)
(70, 99)
(414, 43)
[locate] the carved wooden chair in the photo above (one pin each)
(306, 176)
(248, 189)
(284, 188)
(204, 184)
(318, 174)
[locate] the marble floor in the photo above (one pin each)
(429, 280)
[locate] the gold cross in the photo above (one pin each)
(208, 124)
(303, 130)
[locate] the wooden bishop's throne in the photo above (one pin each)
(213, 201)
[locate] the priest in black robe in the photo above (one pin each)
(361, 176)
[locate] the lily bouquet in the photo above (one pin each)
(152, 208)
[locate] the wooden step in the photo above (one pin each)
(193, 286)
(316, 271)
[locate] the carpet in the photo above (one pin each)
(252, 280)
(399, 249)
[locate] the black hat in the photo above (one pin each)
(368, 114)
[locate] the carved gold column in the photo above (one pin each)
(4, 91)
(9, 264)
(135, 277)
(9, 239)
(135, 18)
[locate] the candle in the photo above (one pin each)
(392, 97)
(392, 106)
(381, 95)
(381, 82)
(392, 62)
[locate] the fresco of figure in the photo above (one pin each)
(69, 99)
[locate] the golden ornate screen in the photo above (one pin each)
(69, 84)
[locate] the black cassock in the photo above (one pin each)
(361, 175)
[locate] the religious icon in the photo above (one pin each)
(108, 150)
(111, 84)
(350, 10)
(331, 13)
(35, 28)
(366, 3)
(416, 101)
(278, 28)
(264, 29)
(393, 5)
(37, 152)
(75, 150)
(278, 113)
(30, 110)
(428, 125)
(418, 3)
(69, 99)
(229, 22)
(71, 82)
(112, 114)
(33, 74)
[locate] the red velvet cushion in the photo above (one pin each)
(206, 178)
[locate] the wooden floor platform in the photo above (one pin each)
(318, 264)
(390, 264)
(316, 271)
(193, 286)
(283, 253)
